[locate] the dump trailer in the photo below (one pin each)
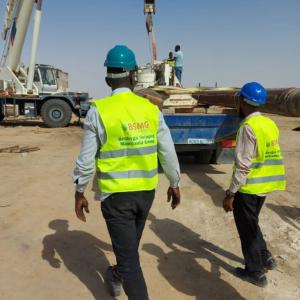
(38, 90)
(207, 133)
(210, 138)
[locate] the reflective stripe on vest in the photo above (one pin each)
(265, 179)
(128, 159)
(128, 152)
(276, 162)
(267, 171)
(129, 174)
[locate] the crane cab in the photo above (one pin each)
(50, 80)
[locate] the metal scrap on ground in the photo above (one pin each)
(18, 149)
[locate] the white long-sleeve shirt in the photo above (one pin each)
(245, 151)
(94, 136)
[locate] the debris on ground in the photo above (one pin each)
(18, 149)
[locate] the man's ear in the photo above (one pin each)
(133, 78)
(108, 82)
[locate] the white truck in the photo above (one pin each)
(36, 90)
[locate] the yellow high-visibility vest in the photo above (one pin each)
(128, 159)
(171, 62)
(267, 172)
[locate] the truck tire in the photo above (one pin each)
(204, 156)
(1, 114)
(56, 113)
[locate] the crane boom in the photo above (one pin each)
(149, 10)
(35, 39)
(19, 27)
(8, 17)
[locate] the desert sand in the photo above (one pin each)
(189, 253)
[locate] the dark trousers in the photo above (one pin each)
(246, 209)
(125, 215)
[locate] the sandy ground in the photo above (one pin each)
(189, 253)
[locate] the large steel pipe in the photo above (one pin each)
(285, 101)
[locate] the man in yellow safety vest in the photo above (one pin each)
(125, 135)
(258, 170)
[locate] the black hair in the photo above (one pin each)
(177, 48)
(115, 70)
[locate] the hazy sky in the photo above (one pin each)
(224, 41)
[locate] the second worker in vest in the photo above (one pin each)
(125, 135)
(258, 170)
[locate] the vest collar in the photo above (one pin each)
(120, 90)
(255, 114)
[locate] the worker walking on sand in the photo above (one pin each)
(125, 135)
(178, 62)
(258, 170)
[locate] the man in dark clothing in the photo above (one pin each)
(125, 135)
(258, 170)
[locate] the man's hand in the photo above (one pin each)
(174, 194)
(55, 263)
(228, 203)
(80, 204)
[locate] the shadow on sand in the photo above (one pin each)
(180, 266)
(288, 214)
(81, 253)
(199, 174)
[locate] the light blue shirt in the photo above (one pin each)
(178, 59)
(94, 136)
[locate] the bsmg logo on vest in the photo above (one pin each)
(138, 126)
(137, 133)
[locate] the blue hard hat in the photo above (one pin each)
(254, 94)
(120, 57)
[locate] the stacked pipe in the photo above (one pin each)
(283, 101)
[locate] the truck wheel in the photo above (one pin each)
(204, 157)
(56, 113)
(1, 114)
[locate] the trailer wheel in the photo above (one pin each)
(204, 156)
(56, 113)
(1, 114)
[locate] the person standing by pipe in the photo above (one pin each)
(258, 170)
(178, 62)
